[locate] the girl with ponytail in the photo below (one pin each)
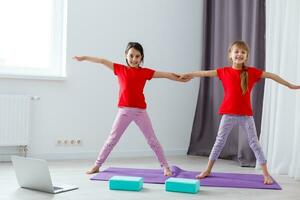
(238, 81)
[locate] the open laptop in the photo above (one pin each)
(34, 174)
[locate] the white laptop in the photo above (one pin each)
(34, 174)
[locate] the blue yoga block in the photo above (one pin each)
(182, 185)
(131, 183)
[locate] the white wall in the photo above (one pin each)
(84, 106)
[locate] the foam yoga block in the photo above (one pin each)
(182, 185)
(131, 183)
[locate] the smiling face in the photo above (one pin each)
(133, 57)
(238, 55)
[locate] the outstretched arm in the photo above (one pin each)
(205, 73)
(169, 75)
(103, 61)
(278, 79)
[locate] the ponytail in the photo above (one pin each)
(244, 80)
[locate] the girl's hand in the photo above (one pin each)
(79, 58)
(185, 77)
(294, 87)
(177, 77)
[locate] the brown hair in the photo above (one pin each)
(244, 74)
(137, 46)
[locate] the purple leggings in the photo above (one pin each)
(124, 117)
(248, 126)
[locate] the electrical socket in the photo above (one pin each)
(68, 142)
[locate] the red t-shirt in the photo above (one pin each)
(235, 102)
(132, 82)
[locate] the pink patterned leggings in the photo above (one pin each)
(124, 117)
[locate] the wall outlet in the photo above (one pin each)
(68, 142)
(59, 142)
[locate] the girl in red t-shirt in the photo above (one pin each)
(132, 104)
(238, 81)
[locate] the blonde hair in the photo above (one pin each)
(244, 75)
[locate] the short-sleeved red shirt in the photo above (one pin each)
(235, 102)
(132, 82)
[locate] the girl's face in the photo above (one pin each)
(238, 55)
(133, 57)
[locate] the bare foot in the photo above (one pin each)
(95, 169)
(268, 180)
(203, 174)
(167, 171)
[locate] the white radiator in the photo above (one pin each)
(14, 120)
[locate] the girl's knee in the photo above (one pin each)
(153, 143)
(254, 144)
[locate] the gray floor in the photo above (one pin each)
(73, 172)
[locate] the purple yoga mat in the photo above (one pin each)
(216, 179)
